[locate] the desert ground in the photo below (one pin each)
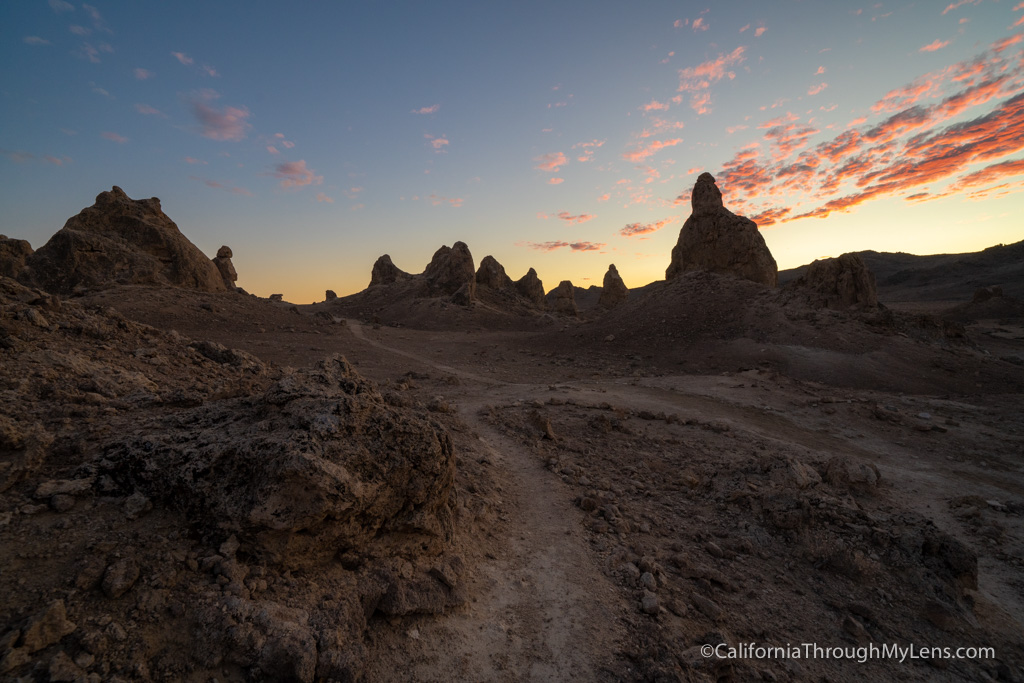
(528, 493)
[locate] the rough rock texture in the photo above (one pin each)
(717, 240)
(451, 271)
(613, 290)
(330, 295)
(120, 240)
(385, 272)
(562, 299)
(492, 274)
(531, 288)
(225, 267)
(13, 253)
(838, 283)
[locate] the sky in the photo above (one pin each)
(313, 137)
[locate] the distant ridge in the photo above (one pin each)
(940, 277)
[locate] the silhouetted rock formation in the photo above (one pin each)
(226, 268)
(451, 272)
(717, 240)
(13, 253)
(531, 288)
(838, 283)
(385, 272)
(985, 293)
(492, 274)
(613, 290)
(124, 241)
(329, 295)
(562, 299)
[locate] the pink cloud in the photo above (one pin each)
(321, 197)
(193, 160)
(209, 71)
(148, 110)
(935, 45)
(698, 79)
(815, 89)
(55, 161)
(759, 31)
(654, 105)
(634, 229)
(34, 40)
(219, 124)
(143, 74)
(295, 174)
(183, 58)
(426, 110)
(551, 162)
(588, 149)
(745, 28)
(642, 152)
(959, 3)
(574, 220)
(820, 71)
(60, 6)
(221, 186)
(574, 246)
(437, 143)
(272, 149)
(605, 197)
(556, 181)
(680, 23)
(114, 137)
(700, 25)
(437, 200)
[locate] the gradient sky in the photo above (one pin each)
(313, 137)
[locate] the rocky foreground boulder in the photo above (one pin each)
(613, 290)
(120, 240)
(838, 283)
(717, 240)
(13, 253)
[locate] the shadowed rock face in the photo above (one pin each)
(451, 270)
(531, 288)
(225, 267)
(492, 274)
(717, 240)
(613, 290)
(385, 272)
(562, 299)
(120, 240)
(839, 283)
(13, 253)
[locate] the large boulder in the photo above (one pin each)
(385, 272)
(717, 240)
(838, 283)
(317, 465)
(531, 288)
(562, 299)
(120, 240)
(13, 253)
(613, 290)
(225, 267)
(451, 272)
(492, 274)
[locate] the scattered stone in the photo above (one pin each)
(42, 631)
(70, 487)
(717, 240)
(120, 577)
(137, 505)
(649, 603)
(62, 668)
(707, 607)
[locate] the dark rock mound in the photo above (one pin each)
(613, 290)
(492, 274)
(119, 240)
(225, 267)
(13, 253)
(562, 299)
(717, 240)
(385, 272)
(531, 288)
(317, 465)
(838, 283)
(451, 272)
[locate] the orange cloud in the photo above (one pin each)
(296, 174)
(700, 25)
(935, 45)
(550, 162)
(575, 246)
(574, 220)
(654, 105)
(815, 89)
(634, 229)
(959, 3)
(642, 152)
(438, 200)
(759, 31)
(701, 77)
(556, 181)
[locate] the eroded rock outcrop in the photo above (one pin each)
(385, 272)
(717, 240)
(13, 253)
(562, 299)
(531, 288)
(838, 283)
(613, 290)
(120, 240)
(451, 273)
(318, 464)
(225, 267)
(492, 274)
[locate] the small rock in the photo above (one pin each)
(649, 603)
(706, 606)
(648, 581)
(120, 577)
(229, 547)
(63, 669)
(62, 502)
(136, 505)
(714, 550)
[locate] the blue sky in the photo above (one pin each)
(312, 138)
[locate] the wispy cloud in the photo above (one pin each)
(427, 110)
(272, 149)
(438, 143)
(228, 123)
(815, 89)
(35, 40)
(193, 160)
(296, 174)
(700, 78)
(574, 246)
(59, 6)
(551, 162)
(97, 19)
(17, 156)
(57, 161)
(114, 137)
(556, 181)
(634, 229)
(959, 3)
(935, 45)
(222, 186)
(699, 24)
(148, 110)
(183, 58)
(655, 105)
(642, 152)
(588, 149)
(575, 219)
(438, 200)
(759, 31)
(143, 74)
(321, 197)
